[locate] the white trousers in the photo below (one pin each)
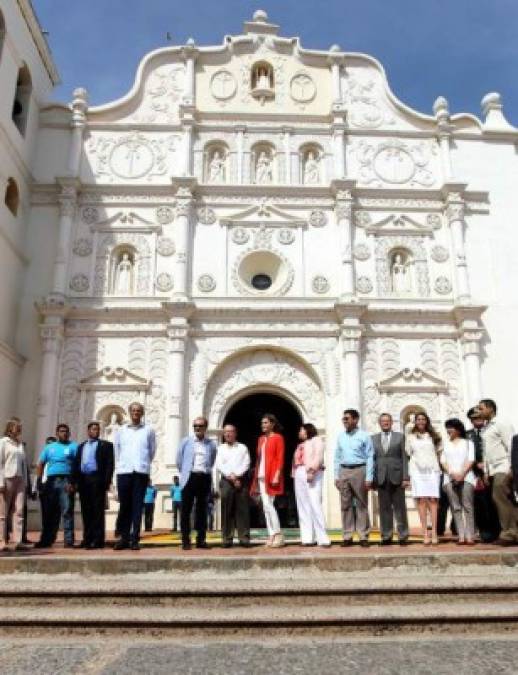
(309, 507)
(270, 513)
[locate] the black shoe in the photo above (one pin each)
(385, 542)
(69, 545)
(135, 546)
(245, 544)
(346, 542)
(186, 545)
(227, 544)
(202, 544)
(83, 544)
(404, 542)
(121, 545)
(364, 543)
(42, 544)
(90, 547)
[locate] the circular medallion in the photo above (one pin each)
(164, 215)
(240, 235)
(132, 158)
(434, 220)
(79, 283)
(83, 247)
(363, 219)
(286, 236)
(394, 164)
(90, 215)
(320, 284)
(302, 88)
(364, 285)
(362, 252)
(223, 85)
(206, 283)
(164, 282)
(317, 218)
(440, 253)
(442, 285)
(165, 246)
(206, 215)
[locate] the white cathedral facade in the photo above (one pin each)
(256, 226)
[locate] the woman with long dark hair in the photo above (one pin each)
(424, 446)
(457, 460)
(268, 478)
(308, 467)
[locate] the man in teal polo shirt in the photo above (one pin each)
(57, 459)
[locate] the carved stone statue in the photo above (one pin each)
(400, 274)
(217, 168)
(409, 426)
(311, 169)
(263, 169)
(124, 276)
(262, 79)
(110, 430)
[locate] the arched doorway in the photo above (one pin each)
(246, 415)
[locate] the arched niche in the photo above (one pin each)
(401, 266)
(262, 80)
(407, 416)
(216, 159)
(264, 169)
(22, 99)
(385, 247)
(109, 248)
(123, 270)
(12, 196)
(311, 164)
(111, 417)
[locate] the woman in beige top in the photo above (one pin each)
(12, 483)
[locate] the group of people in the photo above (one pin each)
(476, 470)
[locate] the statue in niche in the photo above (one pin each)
(263, 169)
(262, 80)
(111, 429)
(400, 275)
(311, 169)
(409, 426)
(124, 276)
(217, 168)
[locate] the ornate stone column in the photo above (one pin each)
(177, 334)
(189, 53)
(67, 199)
(442, 115)
(79, 109)
(287, 131)
(51, 333)
(455, 213)
(240, 148)
(351, 331)
(470, 341)
(185, 187)
(343, 191)
(335, 60)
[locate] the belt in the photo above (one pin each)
(352, 466)
(58, 475)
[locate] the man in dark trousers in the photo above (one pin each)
(486, 516)
(391, 478)
(514, 463)
(92, 477)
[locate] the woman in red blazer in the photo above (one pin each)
(269, 476)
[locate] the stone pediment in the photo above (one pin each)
(118, 379)
(263, 214)
(401, 225)
(124, 221)
(413, 380)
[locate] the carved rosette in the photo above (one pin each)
(79, 283)
(82, 247)
(362, 252)
(320, 284)
(206, 215)
(363, 218)
(164, 282)
(206, 283)
(364, 285)
(317, 218)
(90, 215)
(165, 246)
(442, 285)
(164, 215)
(240, 235)
(440, 253)
(286, 236)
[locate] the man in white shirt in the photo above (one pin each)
(496, 442)
(135, 447)
(233, 462)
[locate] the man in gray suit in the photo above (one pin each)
(391, 478)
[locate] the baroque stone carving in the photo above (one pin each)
(364, 285)
(320, 284)
(79, 283)
(434, 220)
(440, 253)
(240, 235)
(395, 162)
(363, 99)
(384, 245)
(206, 283)
(285, 236)
(165, 246)
(142, 261)
(223, 85)
(162, 94)
(83, 247)
(302, 88)
(206, 215)
(363, 218)
(130, 156)
(362, 252)
(90, 215)
(442, 285)
(164, 282)
(164, 215)
(317, 218)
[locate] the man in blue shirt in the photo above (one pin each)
(354, 474)
(57, 459)
(176, 501)
(149, 507)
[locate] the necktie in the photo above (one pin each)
(385, 442)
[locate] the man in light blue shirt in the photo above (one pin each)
(195, 458)
(135, 447)
(354, 473)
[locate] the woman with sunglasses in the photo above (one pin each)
(268, 478)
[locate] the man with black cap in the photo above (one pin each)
(486, 516)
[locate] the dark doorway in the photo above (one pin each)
(246, 415)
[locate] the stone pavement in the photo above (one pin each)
(426, 656)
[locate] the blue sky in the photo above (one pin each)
(461, 49)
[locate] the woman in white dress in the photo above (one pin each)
(457, 460)
(424, 446)
(308, 468)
